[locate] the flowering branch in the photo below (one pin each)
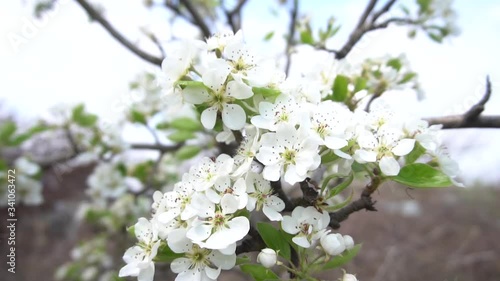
(96, 15)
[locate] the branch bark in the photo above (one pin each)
(197, 18)
(291, 34)
(96, 15)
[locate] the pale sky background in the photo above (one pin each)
(66, 59)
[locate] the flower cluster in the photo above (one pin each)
(286, 129)
(27, 183)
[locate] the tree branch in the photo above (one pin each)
(252, 243)
(234, 16)
(197, 18)
(96, 15)
(364, 202)
(276, 186)
(472, 118)
(291, 34)
(161, 148)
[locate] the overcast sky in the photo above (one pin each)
(66, 59)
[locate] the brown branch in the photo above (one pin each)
(96, 15)
(364, 202)
(197, 18)
(161, 148)
(234, 16)
(252, 243)
(472, 118)
(291, 34)
(383, 10)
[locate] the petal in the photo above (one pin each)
(233, 116)
(223, 261)
(389, 166)
(229, 204)
(335, 142)
(147, 274)
(180, 264)
(212, 273)
(178, 242)
(195, 95)
(199, 232)
(403, 147)
(289, 225)
(271, 213)
(272, 172)
(130, 269)
(301, 241)
(208, 117)
(238, 90)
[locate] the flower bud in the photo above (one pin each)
(267, 257)
(348, 242)
(349, 277)
(333, 244)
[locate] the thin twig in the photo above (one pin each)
(234, 16)
(197, 18)
(96, 15)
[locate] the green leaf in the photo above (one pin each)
(306, 37)
(288, 238)
(339, 188)
(422, 176)
(341, 204)
(395, 63)
(360, 84)
(82, 118)
(7, 129)
(19, 139)
(408, 76)
(131, 231)
(242, 260)
(187, 152)
(272, 237)
(340, 88)
(138, 117)
(143, 170)
(184, 84)
(346, 257)
(163, 126)
(418, 150)
(259, 272)
(269, 36)
(266, 92)
(186, 123)
(165, 254)
(435, 37)
(180, 136)
(424, 5)
(329, 157)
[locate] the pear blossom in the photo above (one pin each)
(216, 226)
(247, 151)
(208, 172)
(290, 152)
(307, 224)
(139, 258)
(285, 110)
(333, 243)
(219, 96)
(383, 147)
(261, 196)
(267, 257)
(177, 64)
(197, 263)
(349, 277)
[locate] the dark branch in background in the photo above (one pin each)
(161, 148)
(252, 243)
(472, 118)
(94, 14)
(358, 32)
(197, 18)
(234, 16)
(383, 10)
(291, 34)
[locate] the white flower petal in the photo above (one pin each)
(403, 147)
(389, 166)
(195, 95)
(208, 117)
(199, 232)
(180, 264)
(233, 116)
(238, 90)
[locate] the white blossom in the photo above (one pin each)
(267, 257)
(307, 224)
